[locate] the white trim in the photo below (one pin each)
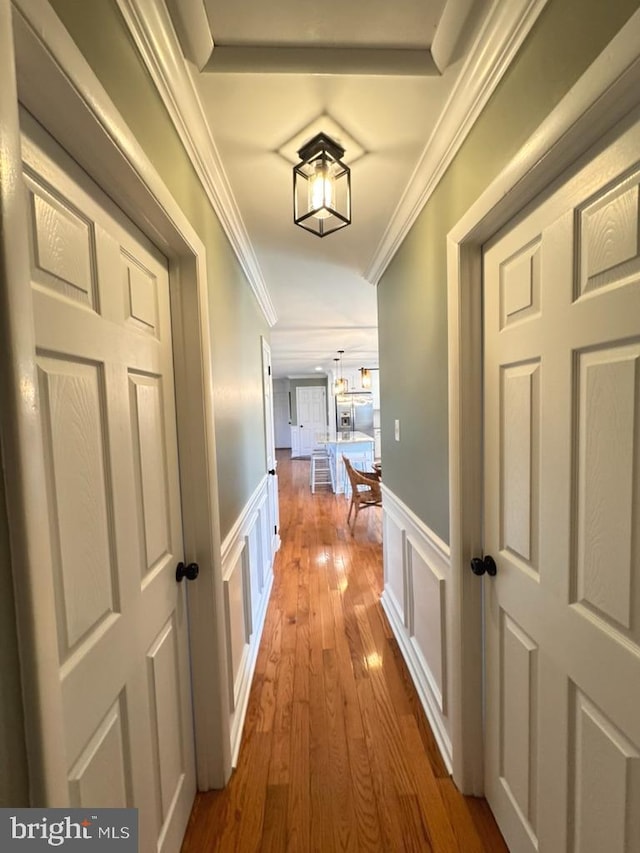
(58, 87)
(22, 463)
(314, 60)
(193, 30)
(604, 94)
(504, 30)
(412, 547)
(249, 664)
(273, 500)
(420, 677)
(416, 537)
(453, 19)
(438, 544)
(234, 547)
(243, 522)
(152, 30)
(235, 554)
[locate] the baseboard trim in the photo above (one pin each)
(419, 679)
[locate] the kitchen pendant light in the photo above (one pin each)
(365, 377)
(341, 386)
(321, 187)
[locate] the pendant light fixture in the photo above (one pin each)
(365, 376)
(321, 187)
(341, 386)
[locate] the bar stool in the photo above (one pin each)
(321, 473)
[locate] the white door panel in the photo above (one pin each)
(104, 356)
(311, 403)
(270, 452)
(562, 513)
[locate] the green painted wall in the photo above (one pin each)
(412, 294)
(236, 320)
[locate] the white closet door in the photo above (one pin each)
(311, 404)
(104, 356)
(562, 513)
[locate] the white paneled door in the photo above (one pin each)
(311, 404)
(104, 357)
(562, 513)
(270, 450)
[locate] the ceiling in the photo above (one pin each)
(376, 76)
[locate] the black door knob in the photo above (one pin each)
(189, 572)
(480, 565)
(272, 471)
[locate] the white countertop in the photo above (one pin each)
(350, 438)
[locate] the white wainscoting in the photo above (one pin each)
(247, 577)
(416, 599)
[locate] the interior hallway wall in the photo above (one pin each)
(412, 294)
(237, 326)
(236, 319)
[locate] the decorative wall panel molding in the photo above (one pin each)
(247, 577)
(416, 599)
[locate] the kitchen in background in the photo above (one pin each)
(354, 412)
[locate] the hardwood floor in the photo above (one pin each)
(337, 754)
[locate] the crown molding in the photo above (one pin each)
(192, 28)
(151, 28)
(504, 30)
(450, 26)
(241, 59)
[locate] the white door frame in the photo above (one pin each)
(270, 448)
(267, 380)
(57, 86)
(606, 92)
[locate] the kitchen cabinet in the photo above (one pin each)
(358, 448)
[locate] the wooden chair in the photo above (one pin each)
(365, 490)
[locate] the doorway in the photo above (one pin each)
(311, 407)
(77, 113)
(604, 96)
(562, 511)
(104, 359)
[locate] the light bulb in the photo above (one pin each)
(321, 191)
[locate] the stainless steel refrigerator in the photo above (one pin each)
(354, 412)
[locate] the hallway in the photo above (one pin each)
(336, 751)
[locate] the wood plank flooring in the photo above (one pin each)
(337, 754)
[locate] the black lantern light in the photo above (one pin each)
(321, 187)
